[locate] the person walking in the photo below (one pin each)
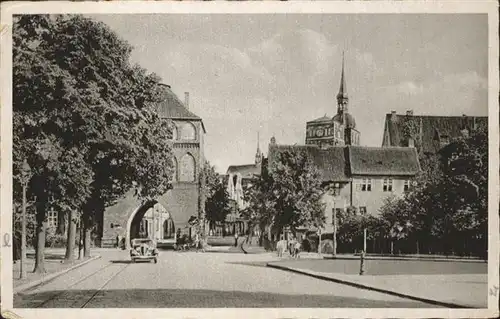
(196, 241)
(235, 239)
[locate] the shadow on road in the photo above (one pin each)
(184, 298)
(248, 263)
(121, 261)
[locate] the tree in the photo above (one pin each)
(217, 199)
(446, 208)
(288, 194)
(67, 70)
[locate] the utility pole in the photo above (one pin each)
(25, 177)
(153, 229)
(334, 232)
(364, 240)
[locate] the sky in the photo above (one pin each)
(269, 74)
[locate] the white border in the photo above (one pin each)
(135, 7)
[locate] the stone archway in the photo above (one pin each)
(154, 229)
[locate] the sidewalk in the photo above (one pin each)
(449, 290)
(54, 267)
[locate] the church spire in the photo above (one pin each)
(258, 153)
(342, 98)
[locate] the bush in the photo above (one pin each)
(310, 245)
(54, 240)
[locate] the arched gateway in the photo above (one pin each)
(123, 219)
(151, 220)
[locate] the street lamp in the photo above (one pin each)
(25, 177)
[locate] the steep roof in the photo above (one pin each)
(172, 107)
(383, 160)
(322, 119)
(331, 161)
(432, 128)
(339, 163)
(246, 171)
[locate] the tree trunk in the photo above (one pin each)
(41, 226)
(87, 229)
(61, 223)
(70, 244)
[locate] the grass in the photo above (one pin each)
(388, 267)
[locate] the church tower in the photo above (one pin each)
(339, 130)
(342, 98)
(351, 135)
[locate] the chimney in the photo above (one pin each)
(393, 116)
(411, 142)
(186, 100)
(409, 113)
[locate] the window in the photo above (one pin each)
(387, 185)
(174, 132)
(336, 189)
(52, 220)
(188, 132)
(406, 186)
(366, 185)
(187, 169)
(362, 210)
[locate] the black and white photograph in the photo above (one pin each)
(244, 158)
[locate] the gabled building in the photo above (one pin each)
(360, 176)
(169, 214)
(428, 134)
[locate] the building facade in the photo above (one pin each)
(359, 176)
(238, 177)
(337, 130)
(128, 217)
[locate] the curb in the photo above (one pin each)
(356, 257)
(52, 276)
(357, 285)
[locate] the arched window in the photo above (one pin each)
(188, 131)
(187, 169)
(175, 168)
(174, 132)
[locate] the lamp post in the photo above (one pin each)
(25, 177)
(335, 227)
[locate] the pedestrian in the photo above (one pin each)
(235, 239)
(296, 249)
(196, 241)
(118, 241)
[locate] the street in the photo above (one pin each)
(190, 279)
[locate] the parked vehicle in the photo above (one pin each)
(144, 249)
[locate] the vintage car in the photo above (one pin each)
(144, 249)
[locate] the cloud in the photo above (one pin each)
(305, 51)
(469, 79)
(408, 87)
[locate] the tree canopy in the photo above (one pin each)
(84, 117)
(288, 194)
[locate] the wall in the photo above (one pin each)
(374, 199)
